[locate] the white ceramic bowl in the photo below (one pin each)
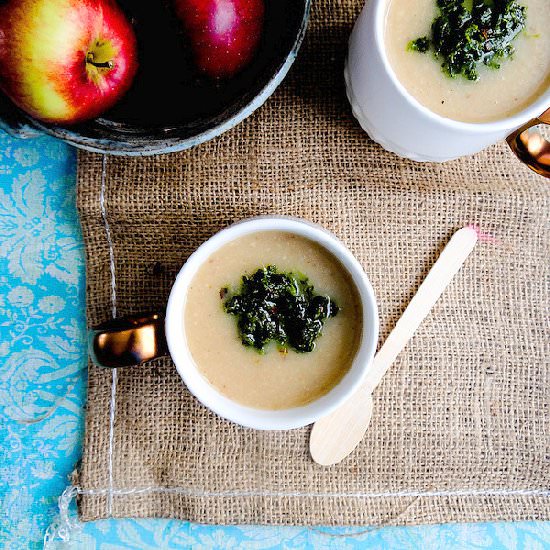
(258, 418)
(399, 122)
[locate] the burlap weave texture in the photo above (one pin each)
(461, 422)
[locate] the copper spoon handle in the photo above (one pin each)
(128, 341)
(531, 147)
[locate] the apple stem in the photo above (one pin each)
(103, 65)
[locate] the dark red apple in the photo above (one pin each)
(65, 61)
(224, 34)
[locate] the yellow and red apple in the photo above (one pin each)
(65, 61)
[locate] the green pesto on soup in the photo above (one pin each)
(284, 335)
(279, 307)
(473, 61)
(462, 37)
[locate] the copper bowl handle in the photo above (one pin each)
(531, 147)
(128, 341)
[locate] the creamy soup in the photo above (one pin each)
(275, 379)
(498, 93)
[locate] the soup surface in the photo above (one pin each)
(498, 93)
(274, 380)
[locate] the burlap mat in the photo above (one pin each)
(461, 422)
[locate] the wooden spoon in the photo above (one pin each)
(335, 436)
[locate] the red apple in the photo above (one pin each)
(224, 34)
(65, 61)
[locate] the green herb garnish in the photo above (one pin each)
(279, 307)
(421, 45)
(463, 38)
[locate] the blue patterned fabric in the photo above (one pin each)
(42, 389)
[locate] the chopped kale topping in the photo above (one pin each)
(463, 38)
(279, 307)
(421, 44)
